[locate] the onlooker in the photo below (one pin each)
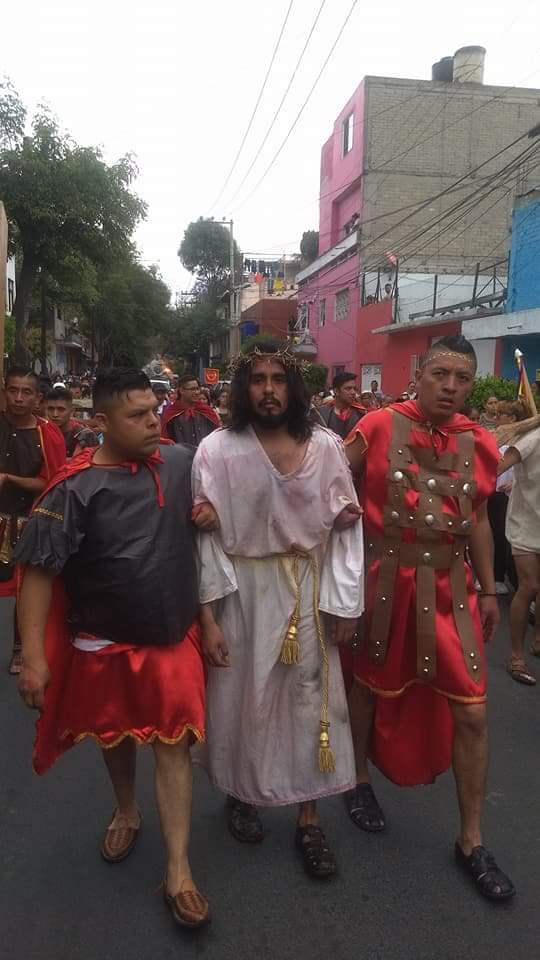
(387, 291)
(190, 418)
(474, 414)
(162, 396)
(368, 400)
(523, 532)
(411, 390)
(77, 436)
(222, 404)
(497, 505)
(376, 392)
(488, 418)
(343, 412)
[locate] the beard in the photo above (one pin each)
(269, 421)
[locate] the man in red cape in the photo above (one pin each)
(110, 643)
(342, 413)
(189, 419)
(31, 451)
(418, 701)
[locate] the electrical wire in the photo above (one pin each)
(282, 101)
(302, 108)
(255, 108)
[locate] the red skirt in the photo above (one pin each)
(413, 727)
(145, 693)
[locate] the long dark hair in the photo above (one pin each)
(298, 411)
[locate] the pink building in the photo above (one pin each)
(328, 298)
(388, 220)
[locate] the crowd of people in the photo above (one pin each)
(297, 584)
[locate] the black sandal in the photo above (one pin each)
(363, 808)
(319, 861)
(243, 821)
(482, 868)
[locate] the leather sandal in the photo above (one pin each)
(487, 876)
(518, 671)
(243, 821)
(319, 861)
(188, 907)
(364, 809)
(119, 841)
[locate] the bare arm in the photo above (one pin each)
(33, 610)
(356, 454)
(30, 484)
(510, 458)
(213, 642)
(481, 550)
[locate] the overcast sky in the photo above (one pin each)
(175, 81)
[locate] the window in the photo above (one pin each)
(11, 295)
(322, 313)
(302, 323)
(348, 125)
(342, 305)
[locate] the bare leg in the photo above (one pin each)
(470, 760)
(361, 710)
(308, 815)
(528, 571)
(173, 794)
(121, 764)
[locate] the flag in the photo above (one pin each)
(525, 394)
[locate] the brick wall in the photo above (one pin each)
(423, 136)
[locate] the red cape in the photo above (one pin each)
(178, 408)
(54, 456)
(456, 424)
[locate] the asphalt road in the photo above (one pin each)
(398, 895)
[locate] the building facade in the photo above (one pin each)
(417, 182)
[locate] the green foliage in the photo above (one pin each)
(9, 336)
(64, 203)
(309, 246)
(316, 377)
(205, 252)
(490, 386)
(130, 309)
(190, 330)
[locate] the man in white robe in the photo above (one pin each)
(280, 588)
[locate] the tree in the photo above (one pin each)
(309, 246)
(62, 201)
(205, 252)
(489, 386)
(130, 309)
(316, 376)
(190, 330)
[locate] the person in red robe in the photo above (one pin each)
(189, 419)
(31, 451)
(418, 700)
(110, 643)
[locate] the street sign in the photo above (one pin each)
(211, 376)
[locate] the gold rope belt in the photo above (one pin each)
(290, 650)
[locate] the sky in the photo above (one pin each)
(175, 82)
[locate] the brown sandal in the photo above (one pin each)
(119, 841)
(518, 671)
(188, 907)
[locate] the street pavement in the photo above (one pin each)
(398, 895)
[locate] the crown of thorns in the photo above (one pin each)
(284, 356)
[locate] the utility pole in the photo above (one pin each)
(232, 311)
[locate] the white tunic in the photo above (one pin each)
(263, 715)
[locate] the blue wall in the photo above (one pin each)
(524, 273)
(529, 346)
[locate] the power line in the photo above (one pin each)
(302, 108)
(255, 108)
(282, 101)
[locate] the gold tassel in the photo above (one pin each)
(290, 651)
(327, 763)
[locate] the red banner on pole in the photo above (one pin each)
(211, 376)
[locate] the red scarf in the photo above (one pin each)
(178, 409)
(456, 424)
(53, 447)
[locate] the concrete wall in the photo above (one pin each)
(336, 342)
(421, 137)
(524, 274)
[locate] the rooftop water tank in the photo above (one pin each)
(443, 70)
(469, 65)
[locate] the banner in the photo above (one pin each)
(211, 376)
